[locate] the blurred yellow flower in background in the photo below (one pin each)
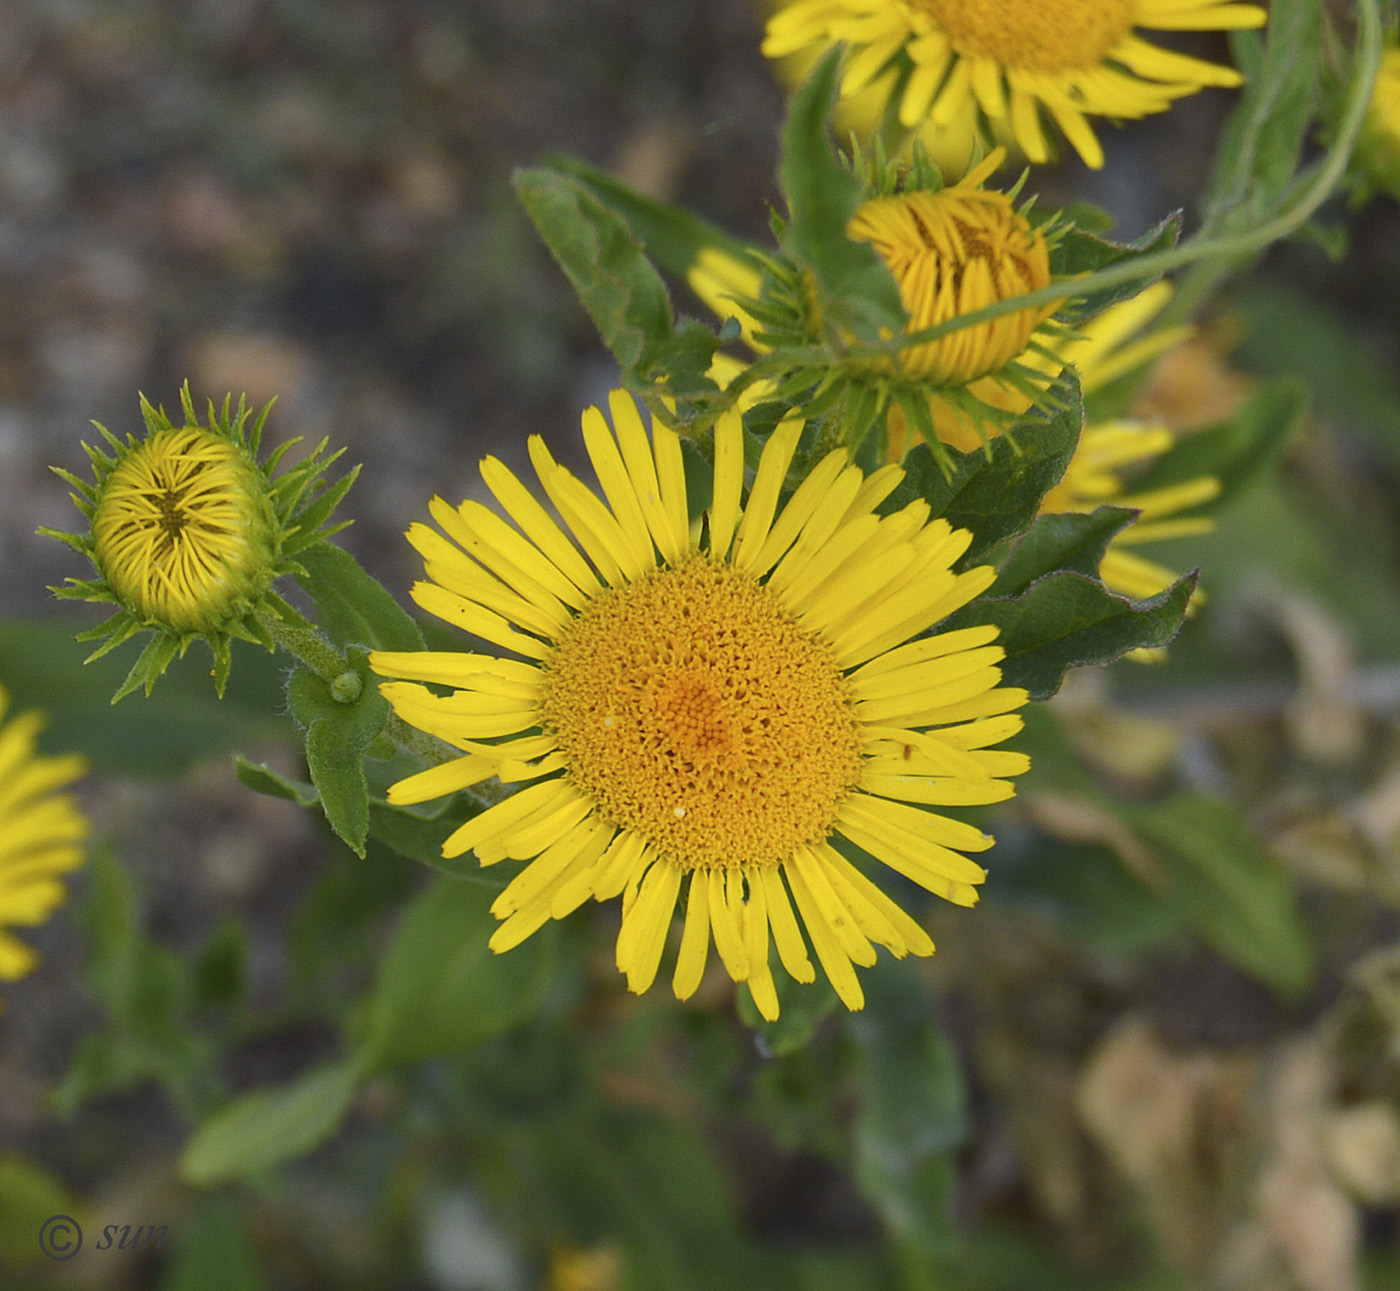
(702, 712)
(1378, 148)
(41, 834)
(1012, 60)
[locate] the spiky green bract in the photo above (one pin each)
(270, 518)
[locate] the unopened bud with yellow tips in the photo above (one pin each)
(189, 532)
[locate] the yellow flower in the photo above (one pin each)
(188, 532)
(1378, 149)
(41, 834)
(703, 714)
(183, 530)
(953, 252)
(1014, 59)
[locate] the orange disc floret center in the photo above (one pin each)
(694, 710)
(1034, 35)
(953, 252)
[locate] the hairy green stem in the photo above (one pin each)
(309, 646)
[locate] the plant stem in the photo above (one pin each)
(309, 646)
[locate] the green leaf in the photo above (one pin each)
(912, 1109)
(181, 723)
(338, 735)
(264, 1128)
(441, 989)
(1231, 891)
(803, 1007)
(212, 1252)
(618, 285)
(997, 492)
(1086, 890)
(29, 1195)
(353, 609)
(1263, 140)
(420, 837)
(671, 238)
(1067, 620)
(1079, 251)
(1237, 452)
(261, 778)
(1070, 541)
(822, 196)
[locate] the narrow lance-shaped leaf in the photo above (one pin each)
(354, 609)
(618, 285)
(1232, 892)
(822, 196)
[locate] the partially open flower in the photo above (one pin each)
(952, 252)
(189, 532)
(183, 531)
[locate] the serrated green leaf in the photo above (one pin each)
(1079, 252)
(997, 493)
(338, 736)
(671, 238)
(1073, 541)
(619, 287)
(822, 195)
(353, 608)
(1231, 891)
(267, 1127)
(1067, 620)
(1237, 452)
(441, 989)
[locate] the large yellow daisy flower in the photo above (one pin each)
(1072, 58)
(41, 833)
(703, 713)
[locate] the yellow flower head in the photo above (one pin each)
(183, 530)
(1013, 60)
(41, 834)
(703, 716)
(188, 532)
(952, 252)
